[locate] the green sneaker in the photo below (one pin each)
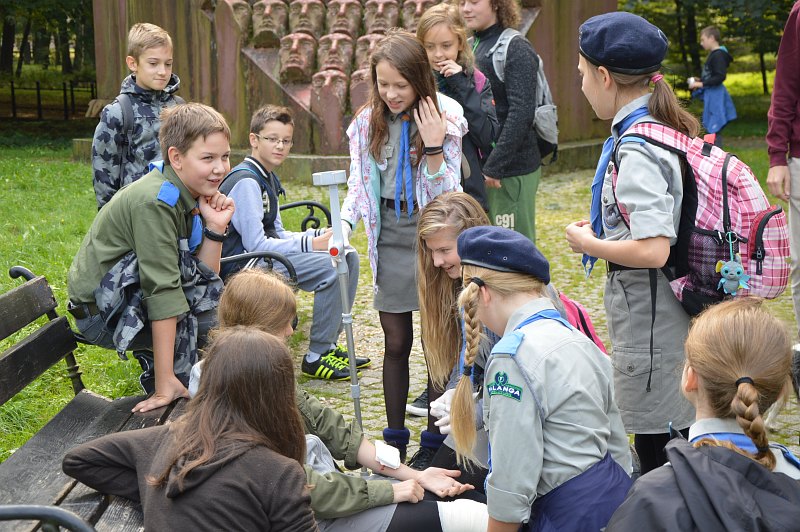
(341, 352)
(328, 367)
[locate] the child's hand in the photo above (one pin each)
(578, 234)
(448, 67)
(442, 482)
(216, 211)
(432, 126)
(166, 392)
(407, 491)
(491, 182)
(320, 243)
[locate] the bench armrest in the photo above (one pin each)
(51, 517)
(311, 219)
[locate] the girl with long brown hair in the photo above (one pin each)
(738, 360)
(233, 461)
(556, 438)
(619, 62)
(405, 149)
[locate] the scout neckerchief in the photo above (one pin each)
(743, 442)
(402, 175)
(596, 210)
(196, 236)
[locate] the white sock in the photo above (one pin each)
(312, 357)
(463, 515)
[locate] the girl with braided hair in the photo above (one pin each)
(738, 360)
(558, 452)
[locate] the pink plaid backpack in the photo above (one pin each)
(725, 212)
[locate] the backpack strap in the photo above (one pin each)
(499, 51)
(126, 106)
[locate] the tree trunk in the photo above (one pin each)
(63, 47)
(763, 72)
(24, 44)
(681, 40)
(7, 45)
(692, 39)
(41, 47)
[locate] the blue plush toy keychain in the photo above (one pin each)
(733, 276)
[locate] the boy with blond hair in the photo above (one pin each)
(146, 275)
(126, 139)
(257, 226)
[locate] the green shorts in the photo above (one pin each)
(514, 204)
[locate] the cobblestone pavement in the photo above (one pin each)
(559, 201)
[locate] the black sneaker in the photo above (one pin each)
(419, 407)
(328, 367)
(341, 352)
(422, 459)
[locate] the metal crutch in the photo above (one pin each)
(332, 180)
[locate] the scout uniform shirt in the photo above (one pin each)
(550, 412)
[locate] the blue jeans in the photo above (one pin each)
(315, 273)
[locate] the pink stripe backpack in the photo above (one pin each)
(725, 219)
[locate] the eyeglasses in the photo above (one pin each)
(275, 140)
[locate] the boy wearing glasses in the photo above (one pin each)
(256, 226)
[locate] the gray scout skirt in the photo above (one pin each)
(627, 302)
(396, 289)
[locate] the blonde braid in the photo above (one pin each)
(462, 411)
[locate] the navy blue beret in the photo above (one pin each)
(623, 42)
(503, 250)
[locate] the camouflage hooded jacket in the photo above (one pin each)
(115, 165)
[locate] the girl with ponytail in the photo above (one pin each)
(738, 361)
(619, 62)
(555, 434)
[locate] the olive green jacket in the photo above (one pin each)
(338, 494)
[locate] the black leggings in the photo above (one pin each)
(398, 334)
(650, 448)
(423, 516)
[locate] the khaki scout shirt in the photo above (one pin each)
(550, 412)
(136, 220)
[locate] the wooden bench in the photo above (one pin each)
(34, 491)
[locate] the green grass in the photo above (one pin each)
(48, 206)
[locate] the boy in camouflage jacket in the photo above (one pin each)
(120, 157)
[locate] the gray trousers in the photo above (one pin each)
(315, 273)
(794, 234)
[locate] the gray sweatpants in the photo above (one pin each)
(315, 273)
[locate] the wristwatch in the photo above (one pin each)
(213, 235)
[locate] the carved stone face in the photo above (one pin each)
(307, 16)
(335, 51)
(328, 83)
(297, 54)
(344, 16)
(269, 22)
(364, 46)
(412, 11)
(380, 15)
(359, 88)
(241, 13)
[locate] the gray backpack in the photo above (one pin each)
(546, 121)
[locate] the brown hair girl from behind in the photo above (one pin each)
(243, 302)
(246, 374)
(450, 213)
(405, 53)
(741, 356)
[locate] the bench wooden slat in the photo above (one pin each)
(122, 514)
(24, 304)
(32, 475)
(22, 363)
